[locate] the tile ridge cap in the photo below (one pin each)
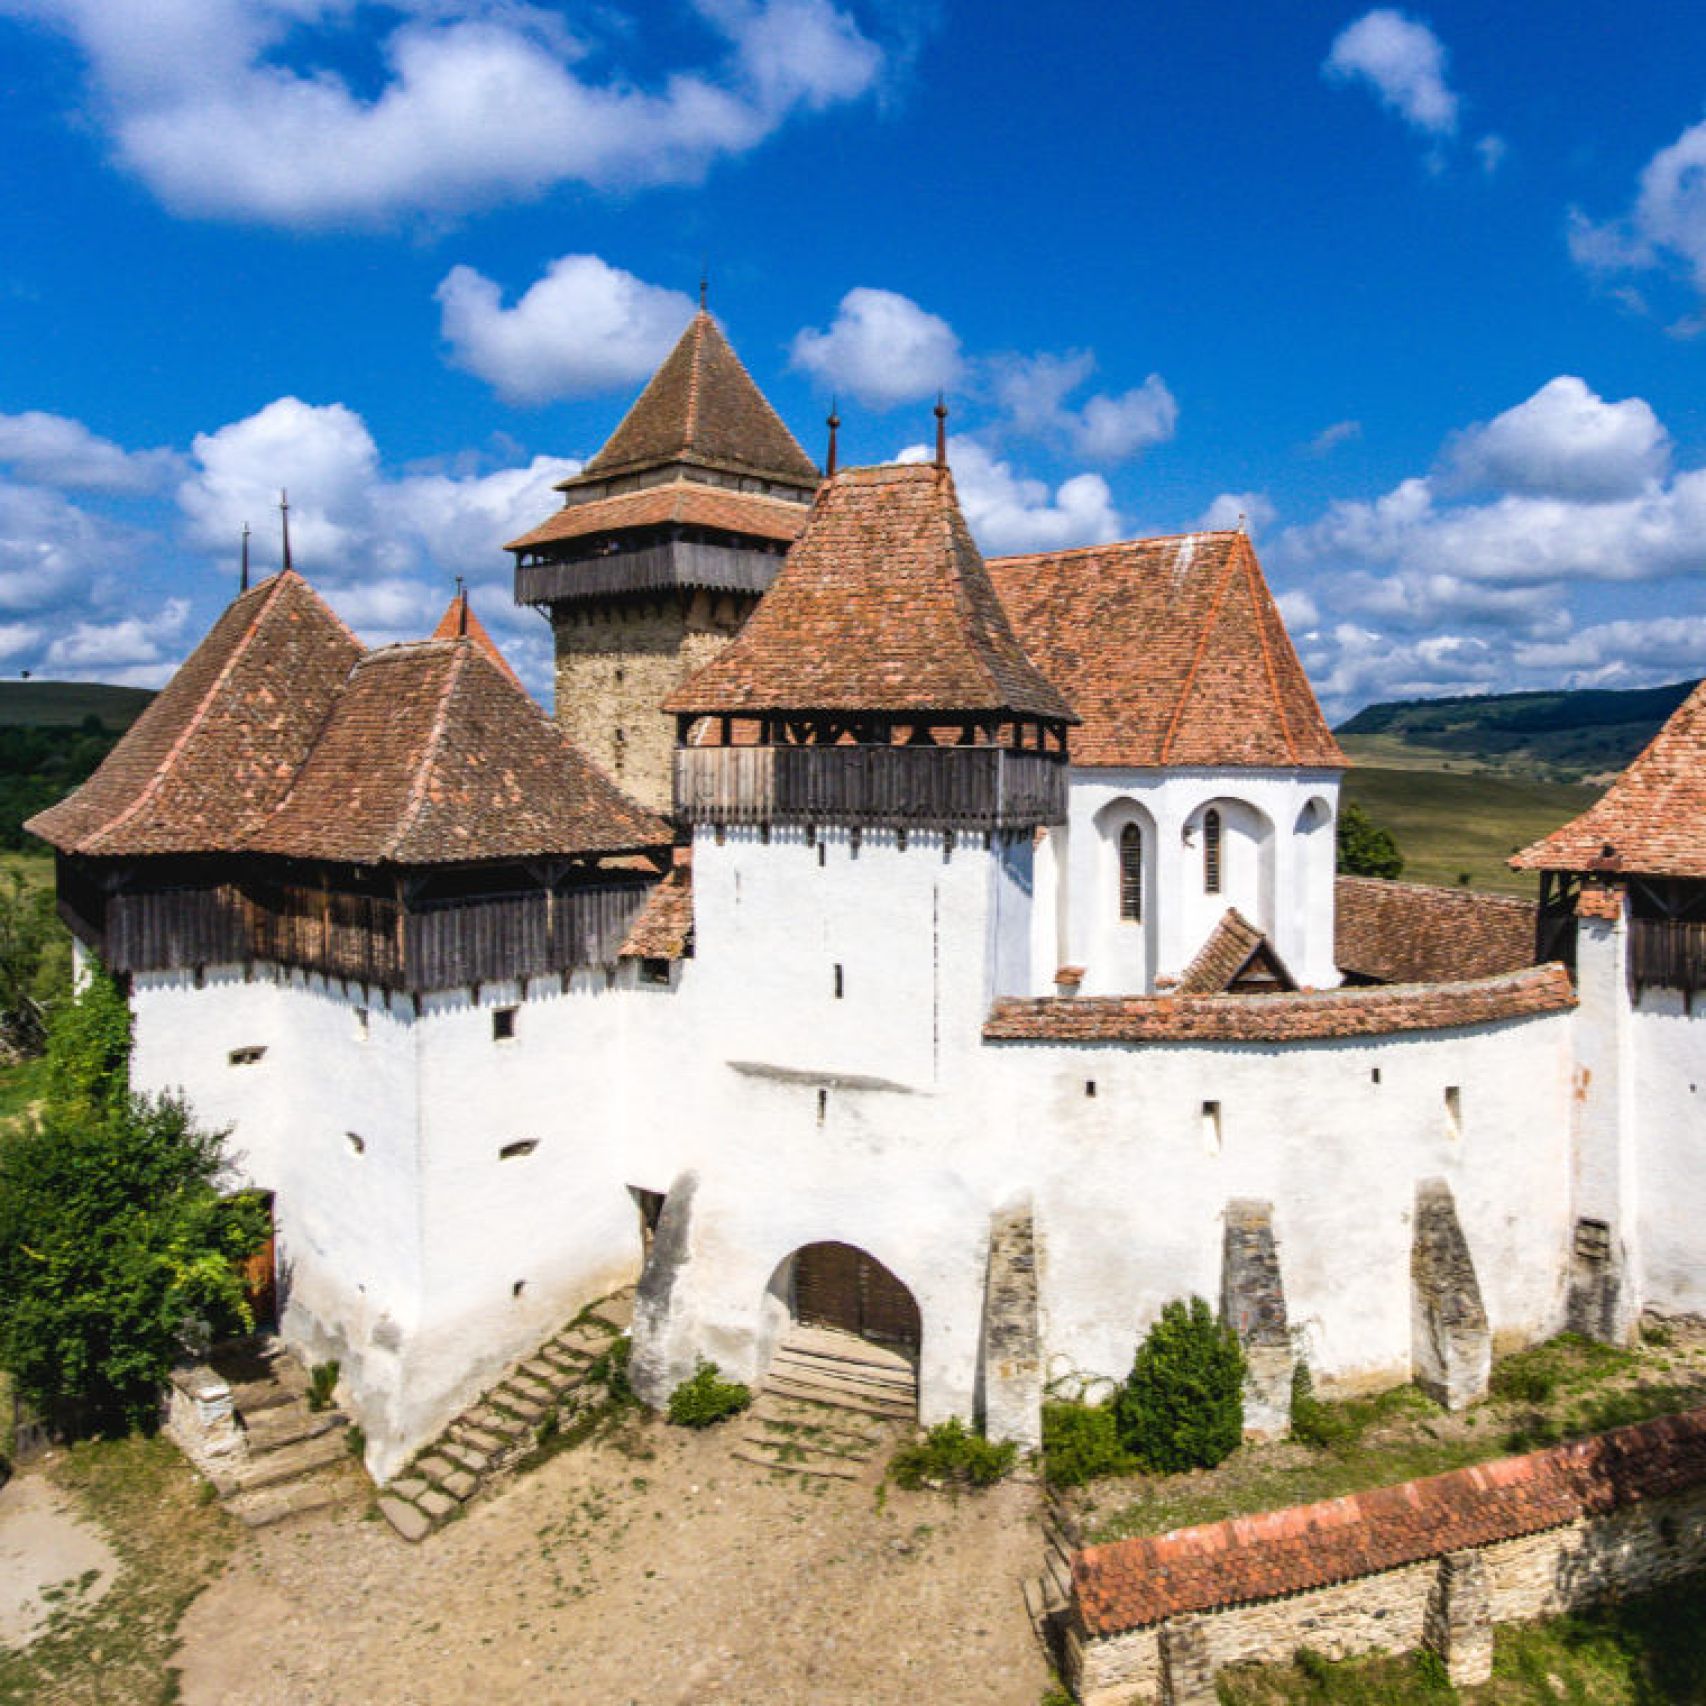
(429, 752)
(1203, 638)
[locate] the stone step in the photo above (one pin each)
(466, 1457)
(618, 1310)
(1056, 1570)
(847, 1347)
(409, 1520)
(852, 1374)
(267, 1505)
(564, 1364)
(273, 1430)
(537, 1390)
(530, 1409)
(769, 1438)
(474, 1438)
(553, 1377)
(255, 1397)
(815, 1423)
(492, 1421)
(839, 1397)
(827, 1468)
(289, 1463)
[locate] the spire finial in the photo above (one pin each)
(284, 521)
(244, 586)
(834, 424)
(461, 608)
(941, 412)
(704, 285)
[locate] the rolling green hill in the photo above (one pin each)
(69, 705)
(1576, 735)
(52, 735)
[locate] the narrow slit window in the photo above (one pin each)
(1211, 851)
(1131, 874)
(503, 1024)
(1211, 1132)
(247, 1056)
(1453, 1112)
(521, 1146)
(840, 984)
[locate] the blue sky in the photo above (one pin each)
(1418, 292)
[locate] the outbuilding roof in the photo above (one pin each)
(216, 750)
(702, 406)
(1173, 652)
(1418, 933)
(1652, 820)
(883, 605)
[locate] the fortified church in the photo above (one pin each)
(944, 951)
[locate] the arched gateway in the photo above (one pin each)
(841, 1287)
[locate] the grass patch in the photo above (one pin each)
(1447, 823)
(951, 1455)
(170, 1541)
(1640, 1652)
(22, 1085)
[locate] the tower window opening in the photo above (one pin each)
(1131, 874)
(1211, 851)
(247, 1056)
(840, 984)
(503, 1024)
(1211, 1132)
(1453, 1112)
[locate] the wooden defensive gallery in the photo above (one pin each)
(942, 951)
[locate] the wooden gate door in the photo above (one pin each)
(836, 1285)
(260, 1277)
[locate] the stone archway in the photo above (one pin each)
(841, 1287)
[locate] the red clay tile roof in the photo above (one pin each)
(214, 753)
(664, 928)
(1135, 1584)
(1600, 901)
(686, 502)
(1172, 650)
(1303, 1017)
(1653, 816)
(1414, 933)
(702, 406)
(433, 755)
(459, 622)
(1232, 946)
(883, 605)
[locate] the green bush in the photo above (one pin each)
(1315, 1423)
(322, 1383)
(707, 1398)
(1364, 848)
(1081, 1442)
(114, 1234)
(950, 1454)
(1183, 1405)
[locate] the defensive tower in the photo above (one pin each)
(665, 542)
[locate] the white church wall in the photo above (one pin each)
(1277, 869)
(1669, 1095)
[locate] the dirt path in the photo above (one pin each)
(609, 1578)
(49, 1556)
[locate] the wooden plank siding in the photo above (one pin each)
(1668, 953)
(922, 787)
(370, 938)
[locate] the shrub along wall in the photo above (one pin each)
(1434, 1562)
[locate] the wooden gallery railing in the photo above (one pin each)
(372, 938)
(934, 787)
(1667, 953)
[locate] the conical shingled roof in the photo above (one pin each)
(883, 605)
(434, 755)
(460, 623)
(1173, 651)
(702, 406)
(214, 753)
(1653, 817)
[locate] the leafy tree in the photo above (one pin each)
(1182, 1407)
(114, 1234)
(1365, 849)
(35, 963)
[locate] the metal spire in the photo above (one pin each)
(704, 284)
(461, 608)
(284, 519)
(834, 424)
(244, 587)
(941, 432)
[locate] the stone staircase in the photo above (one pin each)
(504, 1424)
(1048, 1596)
(244, 1420)
(830, 1406)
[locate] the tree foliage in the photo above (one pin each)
(1182, 1406)
(35, 963)
(1365, 849)
(114, 1234)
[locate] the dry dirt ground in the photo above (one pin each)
(645, 1573)
(48, 1556)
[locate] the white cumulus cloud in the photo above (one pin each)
(1253, 511)
(881, 348)
(1031, 393)
(583, 328)
(1009, 512)
(1403, 62)
(54, 450)
(239, 108)
(1666, 224)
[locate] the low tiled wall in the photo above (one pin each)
(1430, 1562)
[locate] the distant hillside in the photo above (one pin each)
(1588, 734)
(52, 736)
(69, 704)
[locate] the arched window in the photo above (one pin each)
(1211, 851)
(1131, 874)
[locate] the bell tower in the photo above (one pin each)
(665, 542)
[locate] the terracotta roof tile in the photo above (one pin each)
(1306, 1016)
(1600, 900)
(213, 754)
(883, 605)
(688, 503)
(459, 622)
(1414, 933)
(1134, 1584)
(1653, 816)
(1232, 946)
(702, 406)
(664, 928)
(1173, 652)
(434, 755)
